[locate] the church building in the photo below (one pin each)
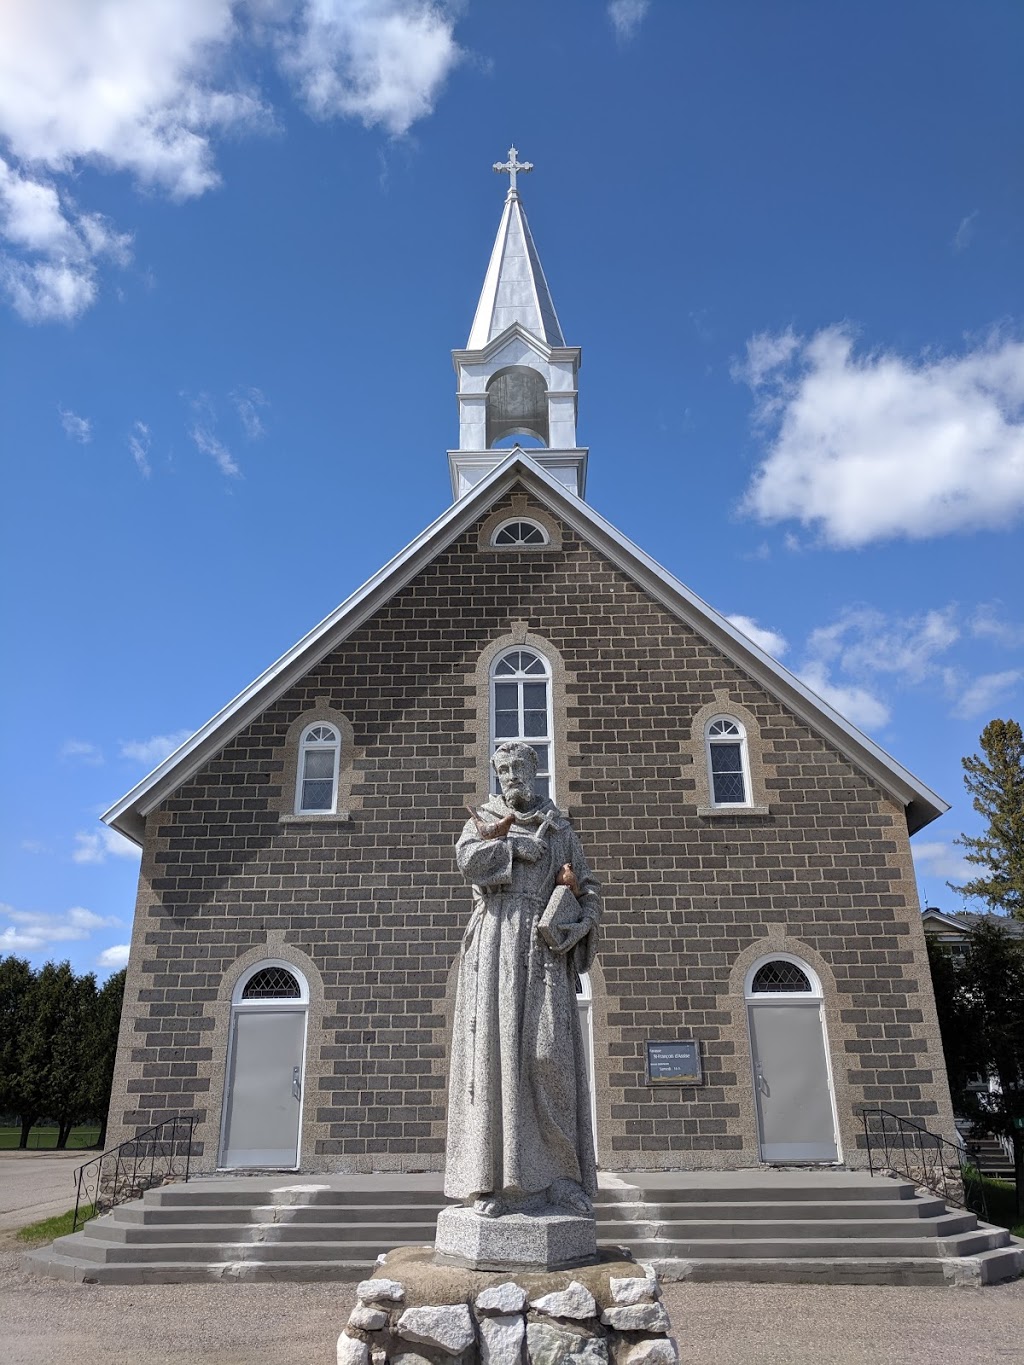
(761, 973)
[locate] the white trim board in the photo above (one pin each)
(128, 815)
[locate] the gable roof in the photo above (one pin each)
(128, 815)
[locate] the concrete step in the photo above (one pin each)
(756, 1226)
(823, 1210)
(753, 1248)
(947, 1225)
(97, 1250)
(786, 1189)
(115, 1229)
(139, 1234)
(182, 1214)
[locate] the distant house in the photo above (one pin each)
(953, 930)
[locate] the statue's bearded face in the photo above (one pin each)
(515, 775)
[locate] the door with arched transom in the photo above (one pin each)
(266, 1068)
(796, 1115)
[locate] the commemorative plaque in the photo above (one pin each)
(676, 1063)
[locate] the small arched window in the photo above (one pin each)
(780, 976)
(272, 983)
(518, 534)
(319, 756)
(521, 708)
(728, 766)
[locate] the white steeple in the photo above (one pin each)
(516, 375)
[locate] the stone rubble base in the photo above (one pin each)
(413, 1311)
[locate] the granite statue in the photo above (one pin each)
(519, 1119)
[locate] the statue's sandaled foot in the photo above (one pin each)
(566, 1194)
(487, 1206)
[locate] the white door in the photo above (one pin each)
(263, 1094)
(792, 1082)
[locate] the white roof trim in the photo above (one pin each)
(128, 814)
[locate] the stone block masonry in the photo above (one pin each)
(370, 907)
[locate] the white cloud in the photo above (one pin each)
(132, 85)
(216, 449)
(146, 87)
(880, 446)
(48, 270)
(859, 705)
(381, 61)
(83, 751)
(97, 848)
(114, 957)
(964, 233)
(982, 694)
(986, 624)
(937, 859)
(769, 640)
(75, 428)
(627, 16)
(30, 931)
(864, 640)
(247, 404)
(138, 444)
(150, 752)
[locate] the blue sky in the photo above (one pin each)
(238, 242)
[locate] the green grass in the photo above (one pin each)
(34, 1234)
(42, 1137)
(1001, 1197)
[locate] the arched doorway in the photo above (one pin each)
(266, 1067)
(585, 1005)
(796, 1116)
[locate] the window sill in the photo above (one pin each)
(339, 817)
(712, 811)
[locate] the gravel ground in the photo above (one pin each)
(43, 1322)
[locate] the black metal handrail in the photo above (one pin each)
(899, 1145)
(125, 1172)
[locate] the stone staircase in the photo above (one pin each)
(759, 1226)
(991, 1158)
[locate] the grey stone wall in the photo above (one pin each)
(370, 904)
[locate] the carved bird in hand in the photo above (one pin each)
(498, 830)
(567, 877)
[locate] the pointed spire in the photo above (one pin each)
(515, 289)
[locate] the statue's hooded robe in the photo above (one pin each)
(519, 1113)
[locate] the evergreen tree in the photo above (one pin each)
(16, 986)
(996, 784)
(71, 1051)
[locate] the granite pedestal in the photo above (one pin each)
(552, 1240)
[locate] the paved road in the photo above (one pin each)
(49, 1322)
(36, 1185)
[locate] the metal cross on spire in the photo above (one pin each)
(511, 167)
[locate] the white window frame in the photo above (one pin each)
(548, 680)
(521, 521)
(815, 993)
(277, 1002)
(318, 746)
(709, 741)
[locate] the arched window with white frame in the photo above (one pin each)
(316, 791)
(519, 533)
(728, 762)
(521, 709)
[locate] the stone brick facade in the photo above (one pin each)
(370, 907)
